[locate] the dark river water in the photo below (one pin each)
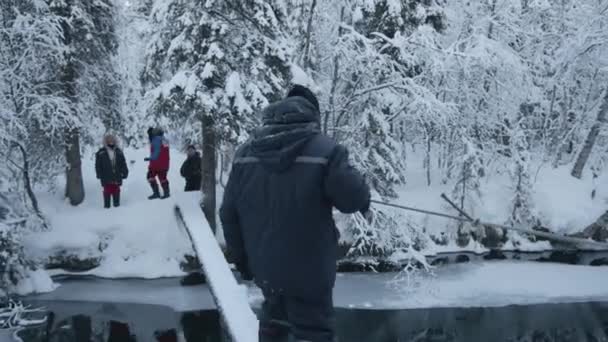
(533, 323)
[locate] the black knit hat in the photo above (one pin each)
(300, 90)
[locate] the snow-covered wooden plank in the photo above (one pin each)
(230, 297)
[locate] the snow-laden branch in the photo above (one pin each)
(401, 44)
(14, 315)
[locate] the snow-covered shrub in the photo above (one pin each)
(466, 191)
(17, 270)
(522, 205)
(14, 316)
(388, 236)
(13, 262)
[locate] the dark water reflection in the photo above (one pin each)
(538, 323)
(124, 323)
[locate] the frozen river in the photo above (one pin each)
(484, 284)
(487, 301)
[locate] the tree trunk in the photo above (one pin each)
(492, 14)
(27, 183)
(427, 158)
(74, 189)
(583, 157)
(334, 83)
(307, 63)
(209, 166)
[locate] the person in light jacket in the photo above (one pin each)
(111, 169)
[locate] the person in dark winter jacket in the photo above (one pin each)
(158, 163)
(111, 169)
(191, 170)
(277, 216)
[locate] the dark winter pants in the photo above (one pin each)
(193, 184)
(307, 319)
(111, 191)
(161, 175)
(164, 183)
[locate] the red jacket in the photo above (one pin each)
(159, 154)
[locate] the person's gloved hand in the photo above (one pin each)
(244, 270)
(146, 159)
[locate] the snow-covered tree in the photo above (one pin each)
(14, 264)
(133, 31)
(522, 206)
(210, 66)
(86, 79)
(34, 113)
(371, 95)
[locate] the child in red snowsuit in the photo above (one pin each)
(159, 163)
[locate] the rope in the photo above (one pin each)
(547, 235)
(422, 211)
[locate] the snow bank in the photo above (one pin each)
(37, 281)
(138, 239)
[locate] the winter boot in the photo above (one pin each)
(155, 192)
(106, 201)
(166, 192)
(116, 199)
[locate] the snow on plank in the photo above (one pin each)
(230, 297)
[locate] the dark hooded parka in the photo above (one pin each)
(277, 208)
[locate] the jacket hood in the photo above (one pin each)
(291, 110)
(288, 126)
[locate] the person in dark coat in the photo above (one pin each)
(159, 161)
(277, 216)
(191, 170)
(111, 168)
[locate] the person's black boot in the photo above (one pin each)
(106, 201)
(116, 200)
(155, 192)
(166, 192)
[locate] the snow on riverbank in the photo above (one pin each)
(138, 239)
(487, 284)
(561, 202)
(36, 281)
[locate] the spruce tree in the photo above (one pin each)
(210, 66)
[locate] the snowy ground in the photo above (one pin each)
(488, 284)
(140, 239)
(562, 202)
